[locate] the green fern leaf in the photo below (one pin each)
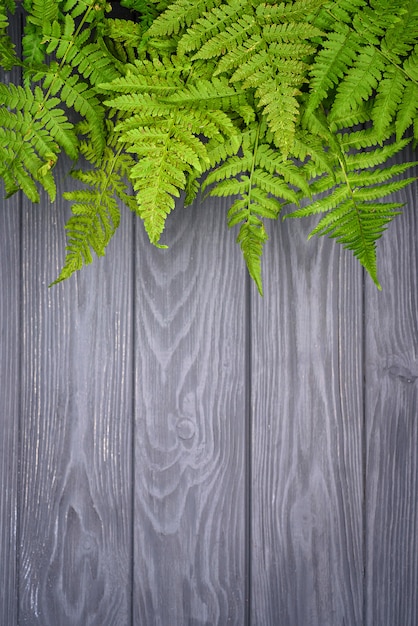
(262, 180)
(360, 81)
(179, 14)
(210, 24)
(252, 236)
(33, 47)
(410, 65)
(409, 110)
(42, 12)
(215, 94)
(281, 109)
(167, 151)
(234, 35)
(337, 55)
(352, 215)
(35, 133)
(402, 33)
(91, 60)
(77, 95)
(388, 99)
(8, 56)
(95, 211)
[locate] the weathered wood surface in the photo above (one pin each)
(75, 467)
(10, 347)
(307, 434)
(10, 409)
(190, 415)
(177, 450)
(391, 410)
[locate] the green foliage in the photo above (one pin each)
(293, 103)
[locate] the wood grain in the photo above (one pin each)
(76, 429)
(190, 424)
(10, 349)
(392, 422)
(306, 444)
(10, 346)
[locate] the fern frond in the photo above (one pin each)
(348, 200)
(264, 50)
(263, 181)
(8, 56)
(33, 46)
(95, 211)
(252, 236)
(168, 147)
(402, 34)
(209, 25)
(91, 60)
(34, 128)
(42, 12)
(281, 109)
(338, 53)
(410, 65)
(408, 112)
(214, 94)
(123, 38)
(233, 36)
(77, 95)
(178, 15)
(161, 76)
(360, 81)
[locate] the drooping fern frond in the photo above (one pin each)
(95, 209)
(351, 199)
(164, 125)
(262, 180)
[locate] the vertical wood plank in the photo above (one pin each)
(190, 424)
(307, 434)
(392, 422)
(10, 348)
(76, 429)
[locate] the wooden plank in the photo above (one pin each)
(10, 347)
(76, 429)
(392, 424)
(306, 443)
(190, 424)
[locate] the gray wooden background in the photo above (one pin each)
(176, 450)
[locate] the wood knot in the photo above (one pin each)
(185, 428)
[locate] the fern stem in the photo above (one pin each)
(253, 162)
(347, 182)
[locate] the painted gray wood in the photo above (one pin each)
(10, 350)
(190, 424)
(391, 411)
(306, 382)
(10, 342)
(76, 482)
(190, 453)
